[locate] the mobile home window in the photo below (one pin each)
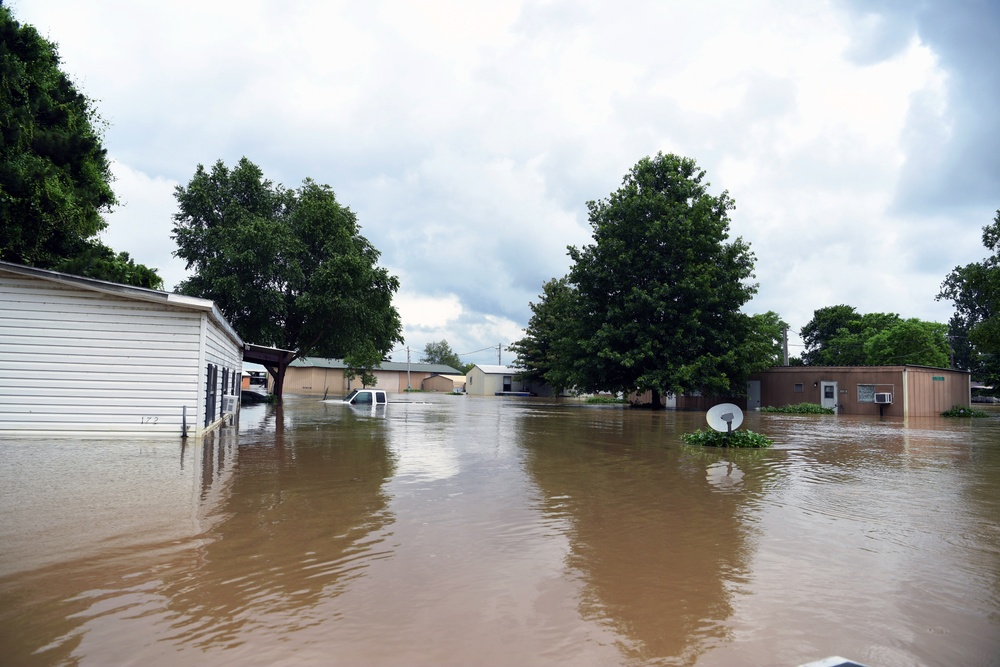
(866, 393)
(798, 388)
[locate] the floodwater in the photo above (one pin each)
(455, 530)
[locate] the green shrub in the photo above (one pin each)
(964, 411)
(744, 438)
(800, 409)
(603, 400)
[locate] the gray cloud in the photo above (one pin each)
(953, 155)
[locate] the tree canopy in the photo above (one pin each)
(545, 352)
(974, 289)
(440, 352)
(288, 268)
(821, 329)
(765, 345)
(55, 176)
(910, 341)
(841, 336)
(654, 303)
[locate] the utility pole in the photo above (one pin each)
(407, 368)
(499, 345)
(784, 345)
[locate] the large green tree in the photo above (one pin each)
(910, 341)
(765, 345)
(657, 296)
(549, 345)
(822, 328)
(847, 347)
(440, 352)
(974, 289)
(288, 268)
(841, 336)
(55, 176)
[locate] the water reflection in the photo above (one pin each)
(859, 549)
(299, 522)
(661, 540)
(270, 527)
(495, 532)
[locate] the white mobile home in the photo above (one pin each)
(84, 357)
(490, 380)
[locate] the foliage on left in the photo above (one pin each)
(55, 176)
(288, 268)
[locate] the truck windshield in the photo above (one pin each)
(362, 397)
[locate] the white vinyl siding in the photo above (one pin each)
(75, 361)
(486, 380)
(220, 352)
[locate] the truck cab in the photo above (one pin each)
(369, 397)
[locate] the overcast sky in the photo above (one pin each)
(859, 139)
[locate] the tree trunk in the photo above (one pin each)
(279, 384)
(656, 400)
(278, 373)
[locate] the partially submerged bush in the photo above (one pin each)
(744, 438)
(800, 409)
(964, 411)
(604, 400)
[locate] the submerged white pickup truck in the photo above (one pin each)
(373, 397)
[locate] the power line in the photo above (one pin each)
(491, 347)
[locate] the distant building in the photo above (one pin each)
(315, 375)
(892, 391)
(491, 380)
(83, 357)
(446, 383)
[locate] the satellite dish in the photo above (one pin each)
(724, 417)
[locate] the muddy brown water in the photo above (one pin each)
(457, 530)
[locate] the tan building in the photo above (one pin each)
(895, 391)
(445, 383)
(314, 375)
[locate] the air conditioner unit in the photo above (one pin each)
(883, 398)
(229, 404)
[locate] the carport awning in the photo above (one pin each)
(267, 356)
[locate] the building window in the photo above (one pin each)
(866, 393)
(798, 388)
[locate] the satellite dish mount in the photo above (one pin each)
(725, 417)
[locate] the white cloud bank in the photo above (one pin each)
(468, 137)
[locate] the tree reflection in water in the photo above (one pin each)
(661, 548)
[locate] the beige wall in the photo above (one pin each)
(927, 396)
(441, 383)
(314, 381)
(309, 380)
(915, 391)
